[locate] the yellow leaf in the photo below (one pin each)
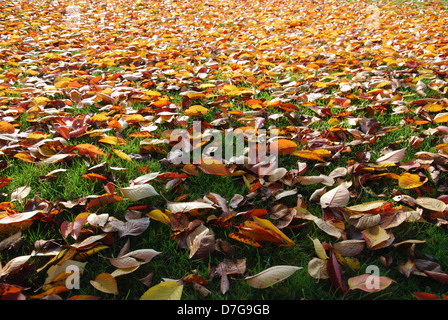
(196, 110)
(112, 140)
(432, 107)
(122, 155)
(230, 89)
(382, 84)
(320, 251)
(207, 85)
(135, 118)
(320, 84)
(159, 216)
(195, 95)
(99, 117)
(151, 93)
(410, 181)
(443, 147)
(62, 82)
(41, 101)
(167, 290)
(268, 225)
(38, 135)
(441, 117)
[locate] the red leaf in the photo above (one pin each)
(335, 275)
(261, 213)
(104, 200)
(6, 289)
(94, 177)
(63, 131)
(172, 175)
(426, 296)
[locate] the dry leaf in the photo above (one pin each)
(167, 290)
(106, 283)
(271, 276)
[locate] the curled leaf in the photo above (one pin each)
(271, 276)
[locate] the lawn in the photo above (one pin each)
(350, 96)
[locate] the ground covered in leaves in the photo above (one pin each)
(352, 95)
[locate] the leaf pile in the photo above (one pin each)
(80, 83)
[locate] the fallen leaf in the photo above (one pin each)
(271, 276)
(369, 283)
(167, 290)
(138, 192)
(106, 283)
(337, 197)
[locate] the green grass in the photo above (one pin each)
(173, 262)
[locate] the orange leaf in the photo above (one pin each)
(106, 283)
(283, 146)
(6, 127)
(74, 84)
(312, 154)
(54, 290)
(244, 239)
(89, 149)
(94, 177)
(24, 157)
(255, 212)
(426, 296)
(4, 181)
(96, 80)
(259, 233)
(143, 134)
(6, 289)
(115, 124)
(214, 167)
(161, 103)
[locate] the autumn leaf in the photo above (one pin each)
(55, 290)
(410, 181)
(392, 157)
(102, 200)
(6, 127)
(337, 197)
(197, 110)
(138, 192)
(369, 283)
(335, 274)
(167, 290)
(89, 149)
(282, 147)
(94, 177)
(106, 283)
(271, 276)
(134, 258)
(214, 167)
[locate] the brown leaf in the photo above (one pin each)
(106, 283)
